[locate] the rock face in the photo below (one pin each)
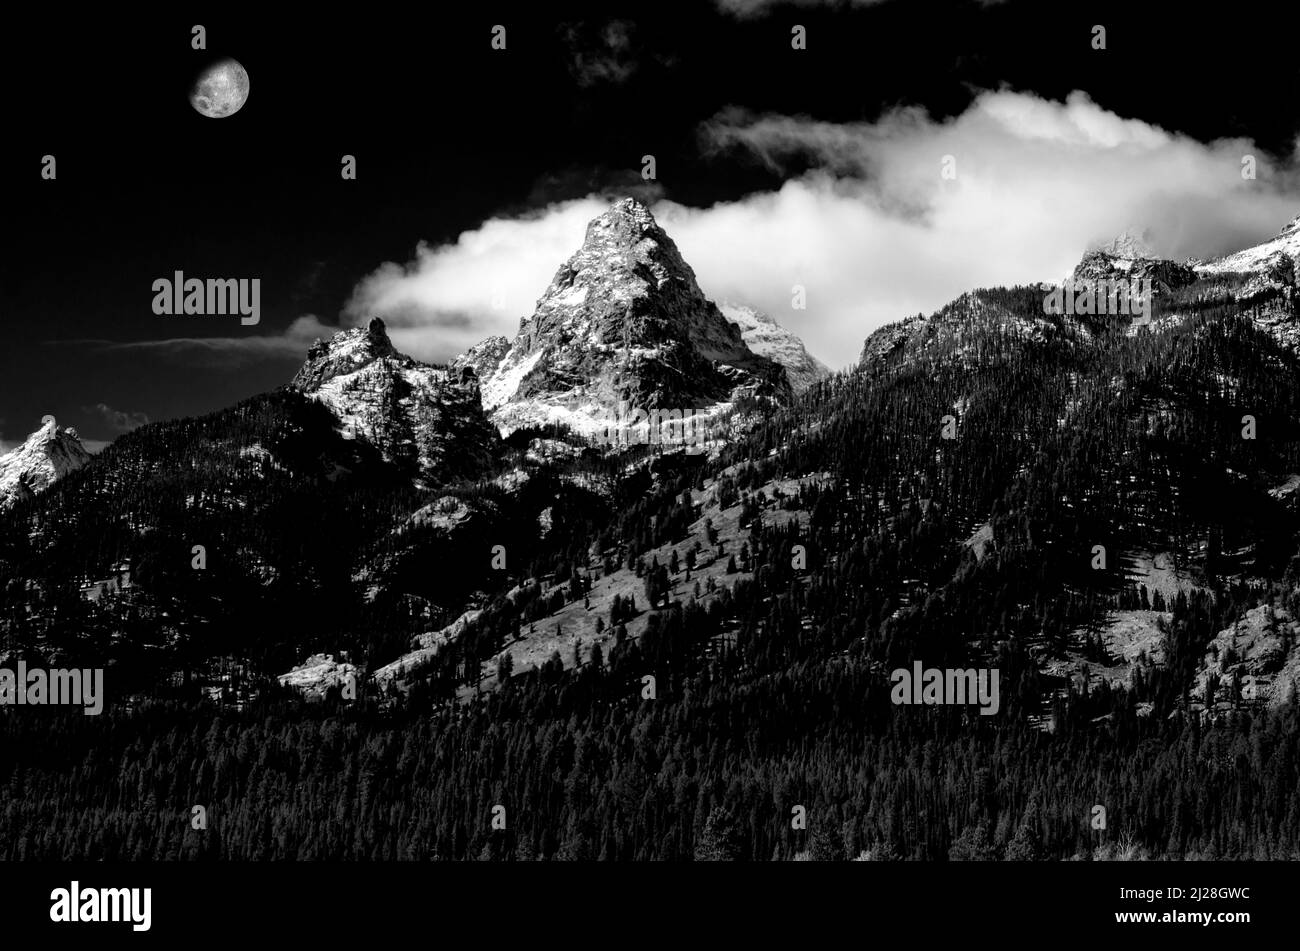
(315, 676)
(1122, 264)
(483, 358)
(428, 417)
(622, 321)
(46, 456)
(763, 335)
(1255, 659)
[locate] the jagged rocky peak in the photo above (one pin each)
(627, 284)
(763, 335)
(483, 358)
(1130, 257)
(627, 216)
(1129, 246)
(428, 417)
(623, 320)
(622, 228)
(46, 456)
(345, 352)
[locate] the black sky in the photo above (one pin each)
(448, 132)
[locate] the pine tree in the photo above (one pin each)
(720, 841)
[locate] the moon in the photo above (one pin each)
(221, 89)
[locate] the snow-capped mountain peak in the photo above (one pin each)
(414, 413)
(767, 338)
(1129, 257)
(623, 320)
(1129, 246)
(46, 456)
(346, 352)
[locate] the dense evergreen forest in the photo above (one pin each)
(771, 687)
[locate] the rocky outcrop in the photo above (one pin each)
(623, 321)
(763, 335)
(46, 456)
(426, 417)
(483, 358)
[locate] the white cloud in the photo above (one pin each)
(451, 297)
(117, 421)
(292, 342)
(873, 232)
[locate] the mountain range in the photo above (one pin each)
(624, 321)
(1104, 509)
(1265, 272)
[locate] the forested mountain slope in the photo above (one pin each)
(993, 486)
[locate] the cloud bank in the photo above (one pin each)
(867, 223)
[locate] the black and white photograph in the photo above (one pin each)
(591, 469)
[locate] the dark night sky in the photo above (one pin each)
(448, 132)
